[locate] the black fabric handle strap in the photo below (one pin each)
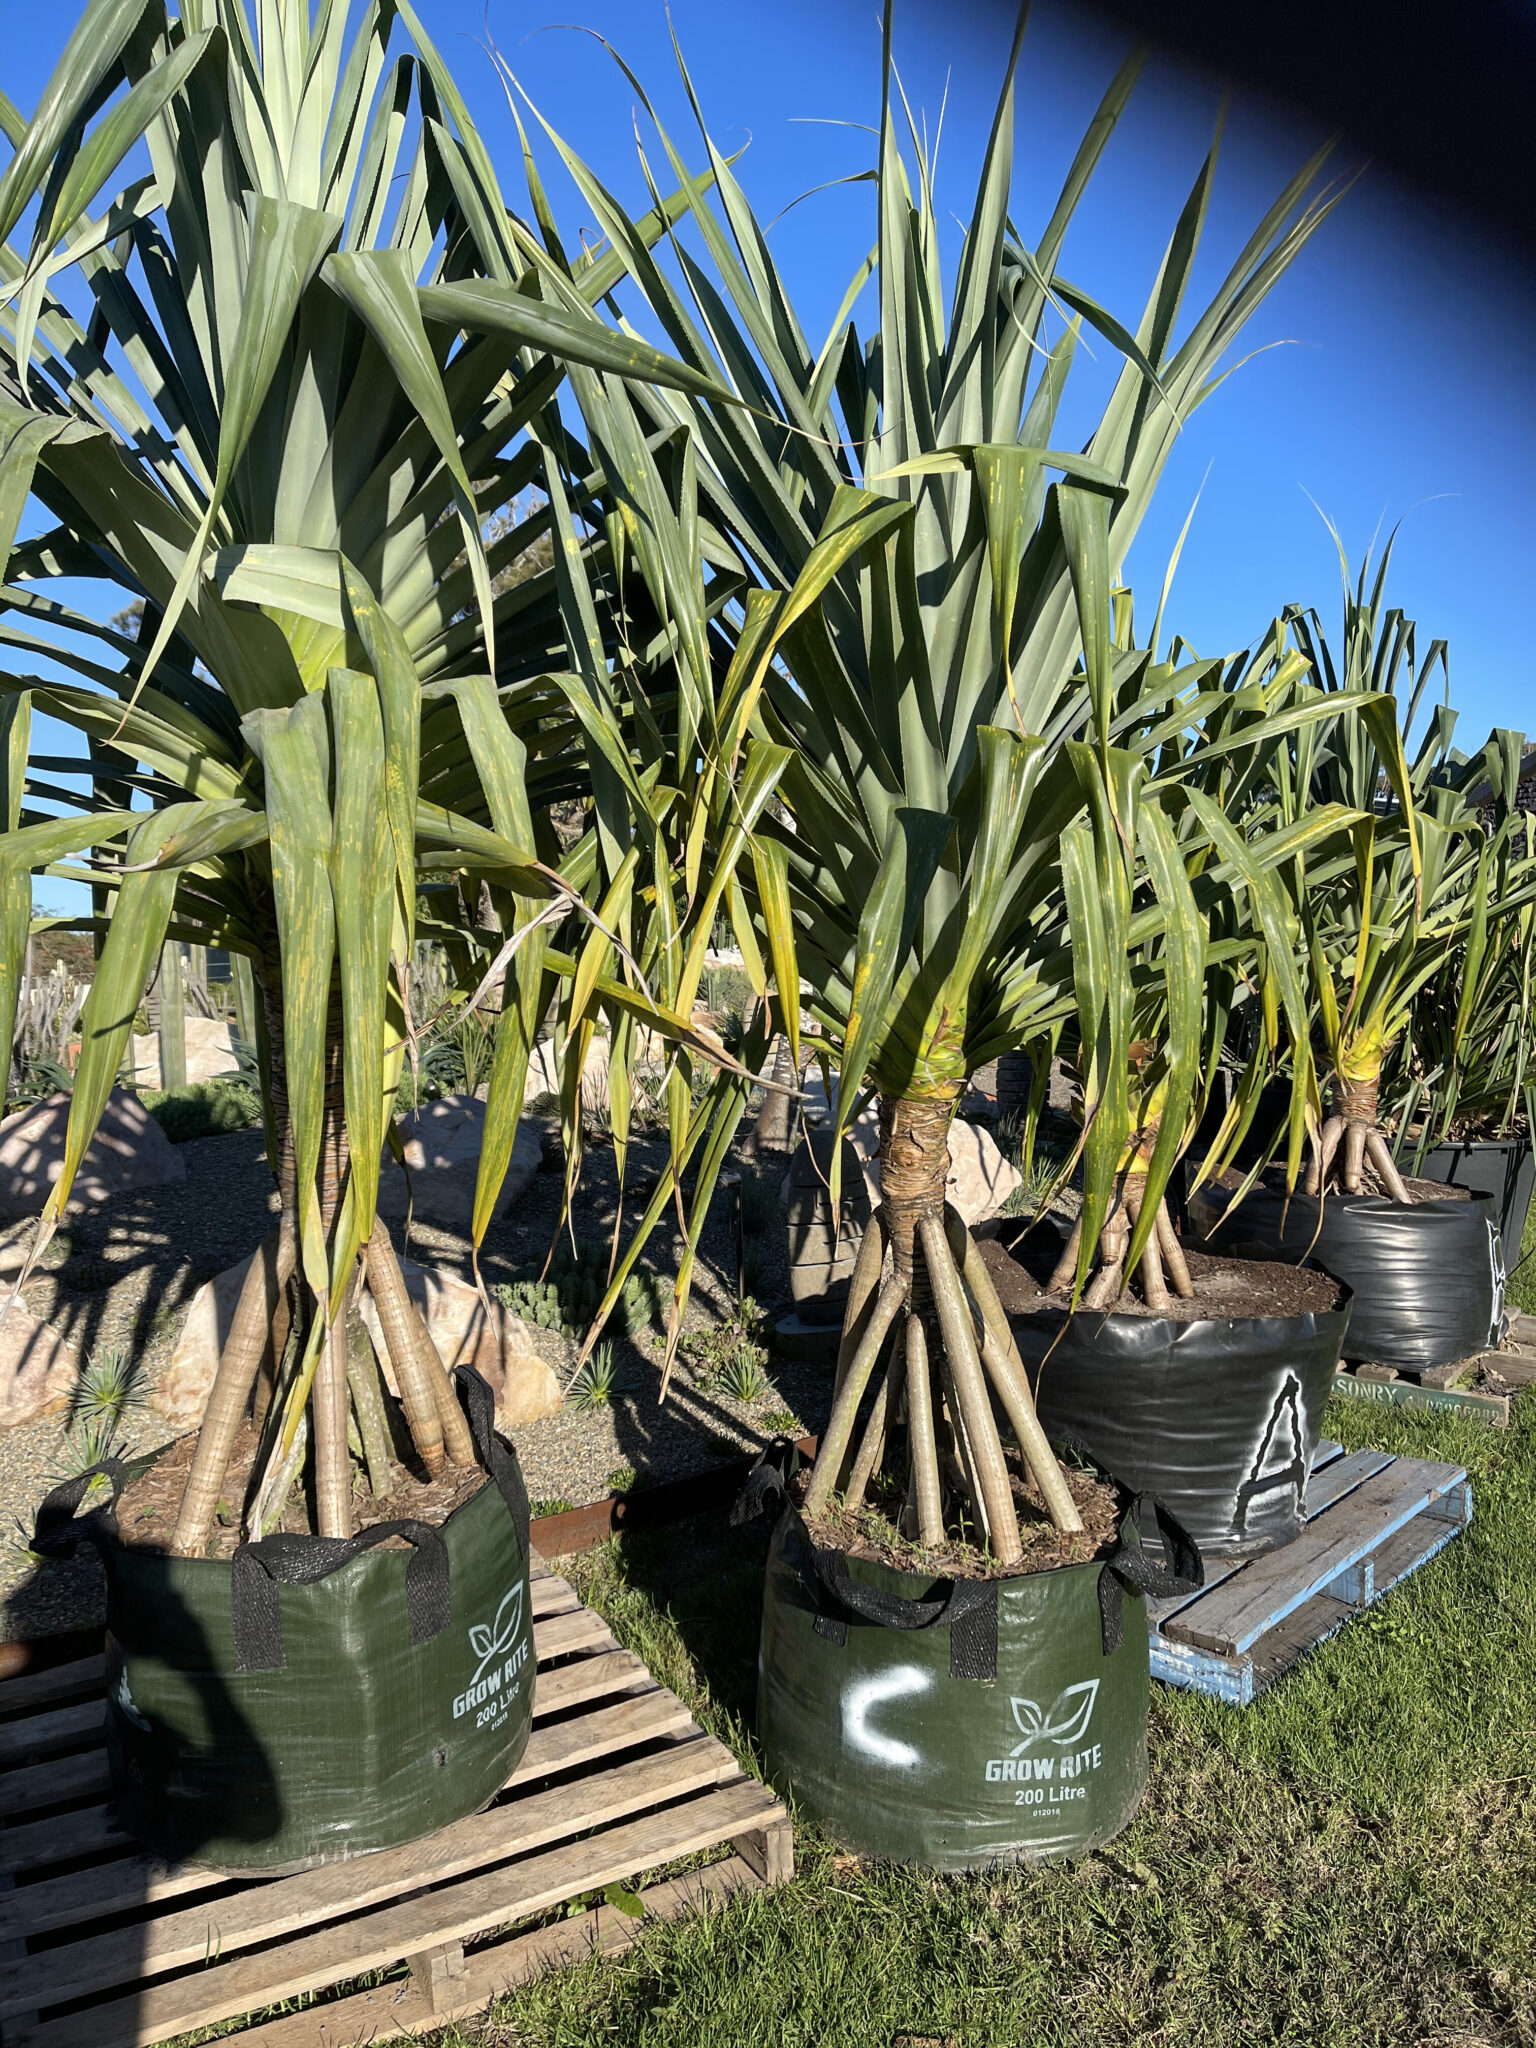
(1133, 1566)
(968, 1609)
(59, 1529)
(258, 1569)
(479, 1405)
(764, 1490)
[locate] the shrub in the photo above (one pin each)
(203, 1109)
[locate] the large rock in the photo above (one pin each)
(504, 1350)
(980, 1178)
(129, 1151)
(38, 1370)
(442, 1151)
(209, 1053)
(544, 1076)
(182, 1391)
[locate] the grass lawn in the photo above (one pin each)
(1352, 1859)
(1522, 1281)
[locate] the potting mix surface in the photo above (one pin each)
(146, 1512)
(1224, 1288)
(871, 1531)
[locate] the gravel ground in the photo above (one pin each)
(155, 1248)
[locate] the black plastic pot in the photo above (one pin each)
(959, 1724)
(1427, 1278)
(1219, 1418)
(313, 1698)
(1504, 1168)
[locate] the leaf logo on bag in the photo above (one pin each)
(1065, 1722)
(489, 1642)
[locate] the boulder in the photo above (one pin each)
(980, 1178)
(509, 1354)
(505, 1351)
(209, 1053)
(181, 1393)
(544, 1075)
(442, 1151)
(128, 1151)
(38, 1370)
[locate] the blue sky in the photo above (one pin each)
(1402, 387)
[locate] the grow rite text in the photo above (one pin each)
(1043, 1769)
(504, 1675)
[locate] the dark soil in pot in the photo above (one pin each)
(1426, 1276)
(872, 1532)
(146, 1512)
(1225, 1287)
(1216, 1408)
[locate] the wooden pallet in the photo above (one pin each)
(1371, 1520)
(103, 1947)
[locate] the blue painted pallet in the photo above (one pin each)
(1371, 1520)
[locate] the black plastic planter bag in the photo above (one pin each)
(315, 1698)
(1220, 1419)
(963, 1723)
(1504, 1168)
(1427, 1277)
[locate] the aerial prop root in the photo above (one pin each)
(944, 1365)
(347, 1388)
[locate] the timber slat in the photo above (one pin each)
(1341, 1476)
(376, 1940)
(42, 1734)
(38, 1688)
(129, 1882)
(399, 2007)
(31, 1786)
(263, 1912)
(1236, 1614)
(614, 1761)
(1372, 1519)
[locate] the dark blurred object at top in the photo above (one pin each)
(1439, 96)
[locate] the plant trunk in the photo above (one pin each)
(260, 1331)
(173, 1018)
(775, 1125)
(950, 1349)
(1353, 1139)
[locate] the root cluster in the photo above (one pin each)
(348, 1396)
(943, 1338)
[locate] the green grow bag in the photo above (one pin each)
(961, 1724)
(316, 1698)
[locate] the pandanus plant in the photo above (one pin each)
(1210, 942)
(1463, 1068)
(1426, 882)
(937, 728)
(241, 393)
